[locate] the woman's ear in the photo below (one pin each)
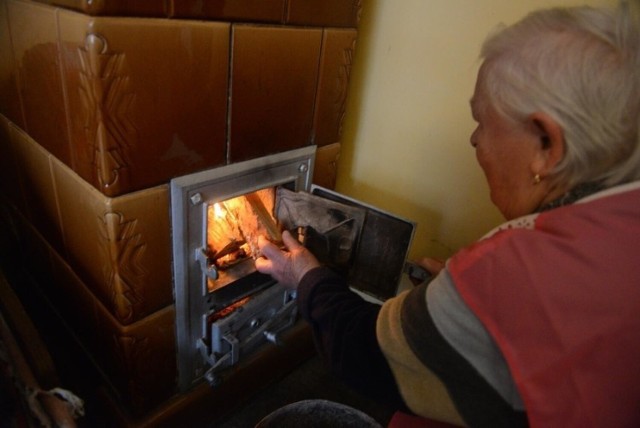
(552, 147)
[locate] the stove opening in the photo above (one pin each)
(233, 228)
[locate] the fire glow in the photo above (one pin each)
(233, 228)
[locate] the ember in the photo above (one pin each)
(227, 311)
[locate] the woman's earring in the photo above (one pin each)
(536, 179)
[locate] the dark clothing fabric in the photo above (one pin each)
(520, 320)
(344, 329)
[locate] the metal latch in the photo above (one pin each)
(207, 265)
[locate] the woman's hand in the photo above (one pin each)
(433, 266)
(287, 267)
(424, 270)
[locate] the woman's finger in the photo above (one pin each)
(289, 241)
(434, 266)
(264, 265)
(266, 247)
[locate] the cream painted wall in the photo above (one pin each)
(406, 133)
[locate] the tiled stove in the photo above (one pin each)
(102, 104)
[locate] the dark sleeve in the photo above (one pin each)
(344, 330)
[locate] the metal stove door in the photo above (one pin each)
(366, 244)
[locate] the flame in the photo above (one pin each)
(218, 211)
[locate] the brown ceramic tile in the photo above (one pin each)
(147, 98)
(9, 98)
(34, 36)
(335, 69)
(140, 359)
(10, 237)
(330, 13)
(274, 77)
(9, 168)
(231, 10)
(37, 186)
(120, 247)
(157, 8)
(326, 166)
(33, 250)
(73, 301)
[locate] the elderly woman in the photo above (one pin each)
(538, 323)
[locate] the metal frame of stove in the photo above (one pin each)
(190, 196)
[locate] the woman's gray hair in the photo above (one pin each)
(581, 66)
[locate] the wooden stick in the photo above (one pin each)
(264, 217)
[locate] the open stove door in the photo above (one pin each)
(367, 245)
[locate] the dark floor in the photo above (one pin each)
(310, 381)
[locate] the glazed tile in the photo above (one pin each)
(37, 186)
(147, 98)
(330, 13)
(338, 48)
(273, 84)
(326, 165)
(231, 10)
(138, 359)
(34, 35)
(9, 167)
(120, 247)
(9, 96)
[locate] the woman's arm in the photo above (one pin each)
(344, 329)
(343, 324)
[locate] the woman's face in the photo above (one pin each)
(506, 151)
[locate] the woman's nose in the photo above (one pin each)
(473, 139)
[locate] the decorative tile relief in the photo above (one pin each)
(120, 247)
(106, 98)
(335, 72)
(147, 98)
(125, 247)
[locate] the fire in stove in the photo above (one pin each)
(225, 308)
(233, 227)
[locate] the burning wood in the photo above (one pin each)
(234, 226)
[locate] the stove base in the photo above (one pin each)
(203, 405)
